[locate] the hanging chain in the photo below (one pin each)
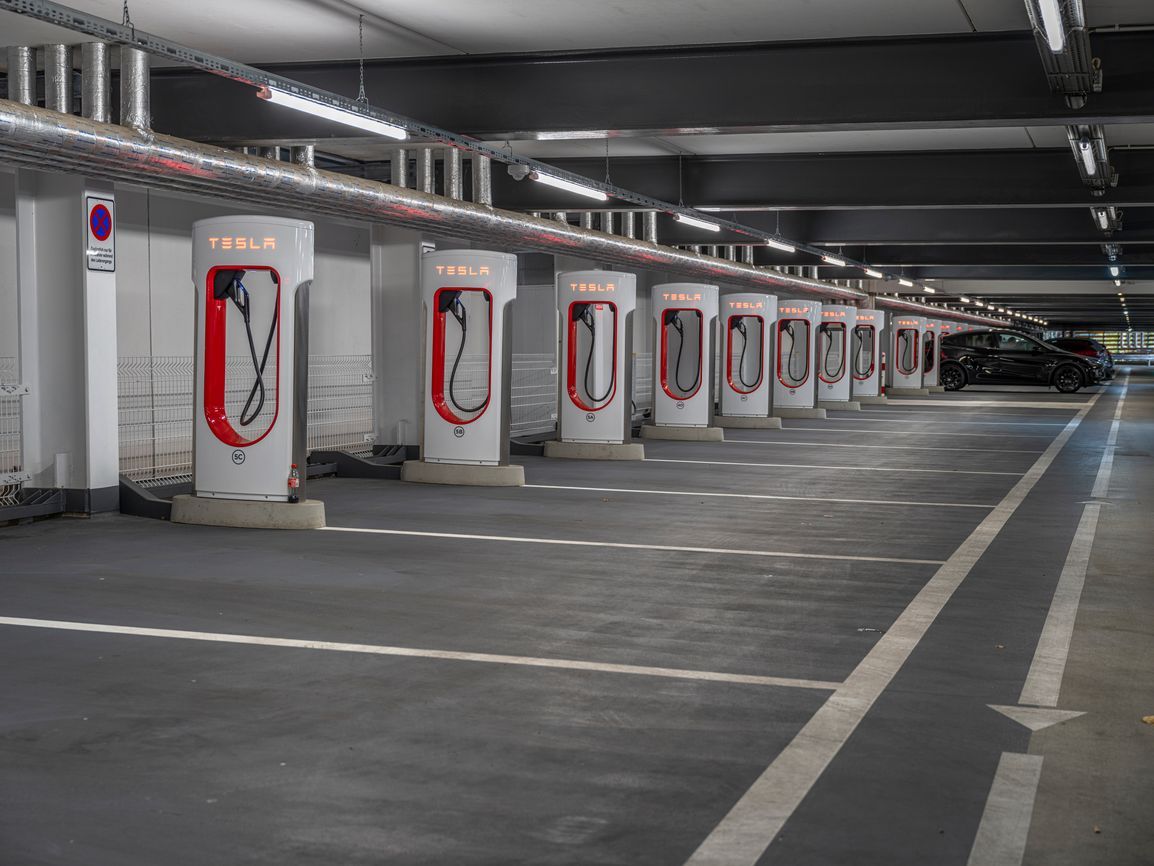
(361, 97)
(126, 21)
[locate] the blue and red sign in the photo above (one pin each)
(100, 222)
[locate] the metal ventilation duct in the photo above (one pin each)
(48, 140)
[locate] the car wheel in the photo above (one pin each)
(1068, 379)
(952, 377)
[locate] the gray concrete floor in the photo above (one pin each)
(137, 749)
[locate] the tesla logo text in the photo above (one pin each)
(242, 243)
(681, 296)
(593, 287)
(463, 270)
(833, 314)
(746, 305)
(798, 311)
(907, 322)
(864, 318)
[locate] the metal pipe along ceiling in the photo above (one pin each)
(48, 140)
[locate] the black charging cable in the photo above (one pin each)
(738, 324)
(797, 379)
(861, 333)
(585, 313)
(829, 331)
(450, 302)
(673, 317)
(909, 353)
(228, 285)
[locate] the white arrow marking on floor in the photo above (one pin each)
(1036, 718)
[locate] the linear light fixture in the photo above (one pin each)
(1119, 283)
(696, 223)
(834, 260)
(877, 275)
(332, 112)
(780, 245)
(1103, 218)
(928, 289)
(966, 300)
(568, 185)
(1115, 270)
(979, 304)
(1052, 24)
(906, 283)
(1086, 149)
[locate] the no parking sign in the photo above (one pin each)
(100, 250)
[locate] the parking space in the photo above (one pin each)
(595, 668)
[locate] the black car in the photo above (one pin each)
(1088, 348)
(998, 357)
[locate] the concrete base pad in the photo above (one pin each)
(683, 434)
(798, 412)
(936, 389)
(871, 400)
(908, 392)
(750, 422)
(840, 405)
(248, 514)
(595, 450)
(420, 472)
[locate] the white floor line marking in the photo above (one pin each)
(889, 447)
(1105, 469)
(1044, 681)
(726, 551)
(1008, 404)
(1005, 825)
(841, 468)
(890, 433)
(761, 496)
(950, 421)
(758, 817)
(411, 652)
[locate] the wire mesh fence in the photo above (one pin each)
(156, 408)
(11, 429)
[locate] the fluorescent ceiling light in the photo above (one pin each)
(928, 289)
(1119, 283)
(877, 275)
(332, 112)
(1115, 270)
(834, 260)
(780, 245)
(696, 223)
(905, 283)
(966, 300)
(1052, 24)
(1103, 218)
(979, 303)
(1086, 148)
(568, 186)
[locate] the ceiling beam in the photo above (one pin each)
(988, 79)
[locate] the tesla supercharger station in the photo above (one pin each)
(904, 366)
(746, 380)
(931, 333)
(684, 322)
(865, 356)
(468, 305)
(795, 360)
(834, 347)
(595, 419)
(252, 276)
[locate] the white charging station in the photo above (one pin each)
(595, 389)
(866, 353)
(468, 304)
(904, 368)
(684, 323)
(252, 276)
(834, 348)
(746, 377)
(795, 360)
(931, 334)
